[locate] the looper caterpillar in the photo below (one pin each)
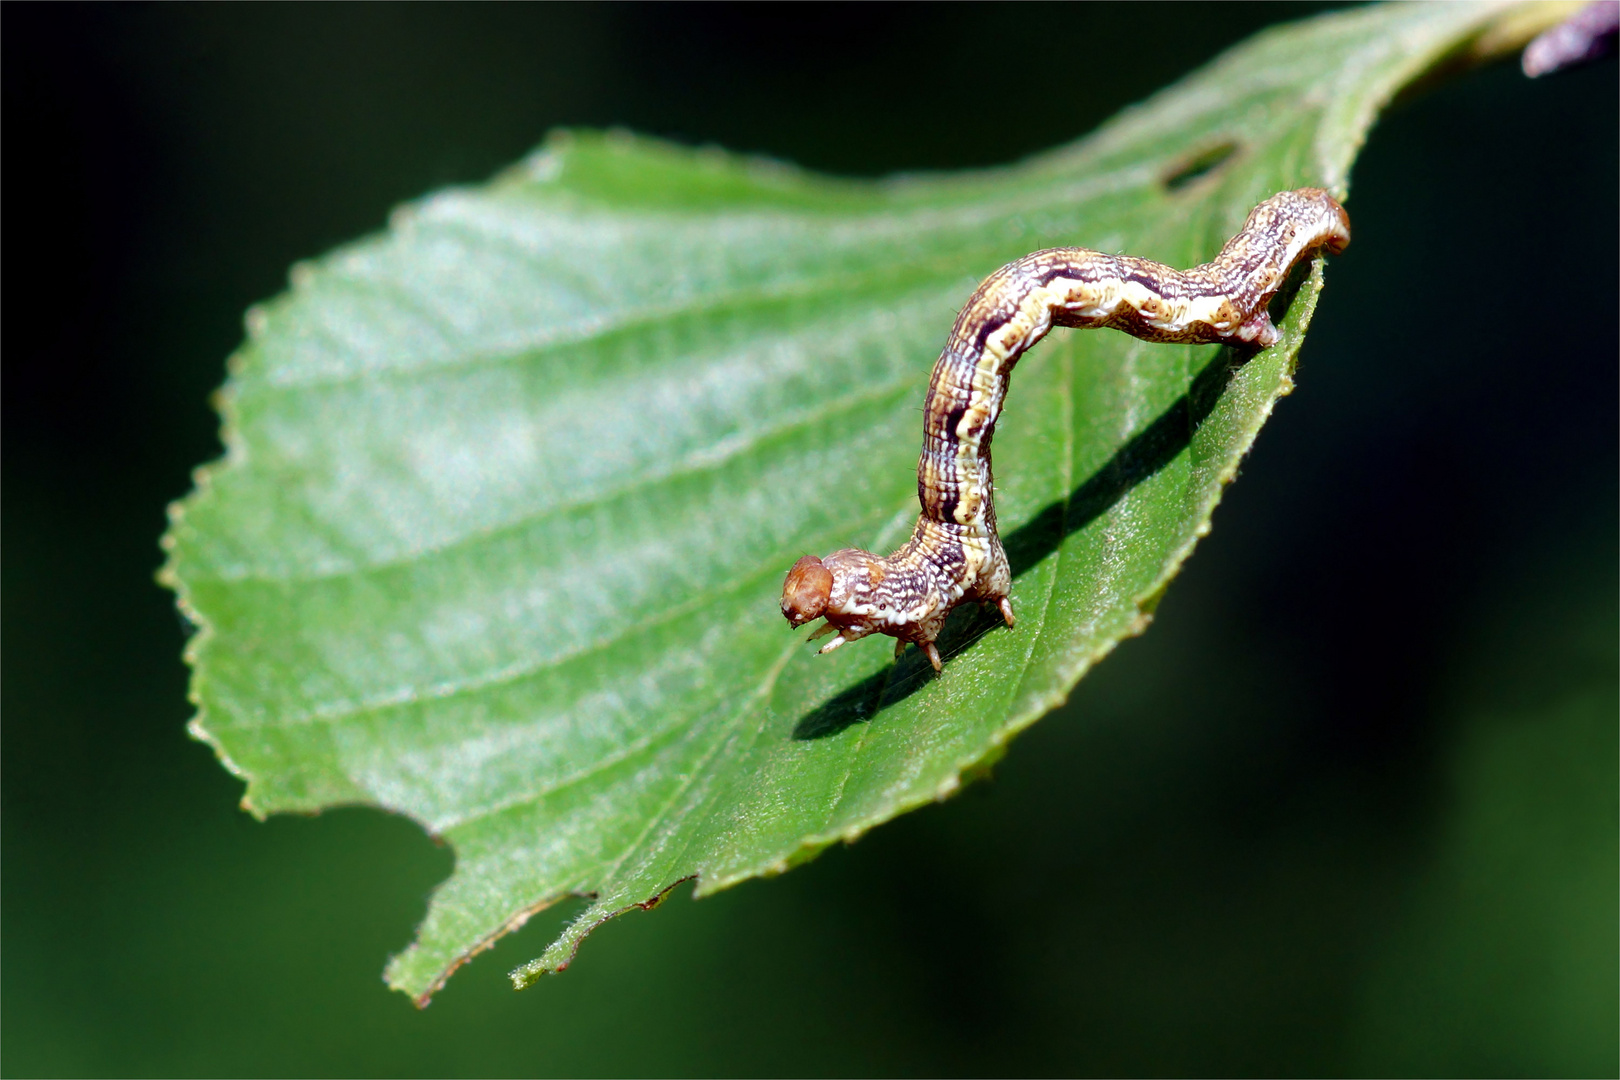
(954, 554)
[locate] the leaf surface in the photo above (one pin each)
(509, 491)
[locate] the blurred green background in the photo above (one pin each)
(1350, 807)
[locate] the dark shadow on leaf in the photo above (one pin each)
(1145, 454)
(856, 705)
(910, 673)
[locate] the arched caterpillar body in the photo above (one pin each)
(954, 554)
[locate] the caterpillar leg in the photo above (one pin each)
(1006, 611)
(1259, 331)
(926, 646)
(831, 645)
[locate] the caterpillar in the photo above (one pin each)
(954, 555)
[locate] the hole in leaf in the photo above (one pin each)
(1199, 164)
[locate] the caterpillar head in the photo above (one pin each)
(806, 591)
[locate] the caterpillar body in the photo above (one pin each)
(954, 554)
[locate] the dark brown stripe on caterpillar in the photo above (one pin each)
(954, 554)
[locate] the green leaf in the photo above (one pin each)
(509, 492)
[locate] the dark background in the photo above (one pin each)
(1349, 807)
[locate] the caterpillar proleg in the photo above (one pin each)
(954, 554)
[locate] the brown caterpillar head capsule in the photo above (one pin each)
(806, 590)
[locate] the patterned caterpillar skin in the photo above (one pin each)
(954, 554)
